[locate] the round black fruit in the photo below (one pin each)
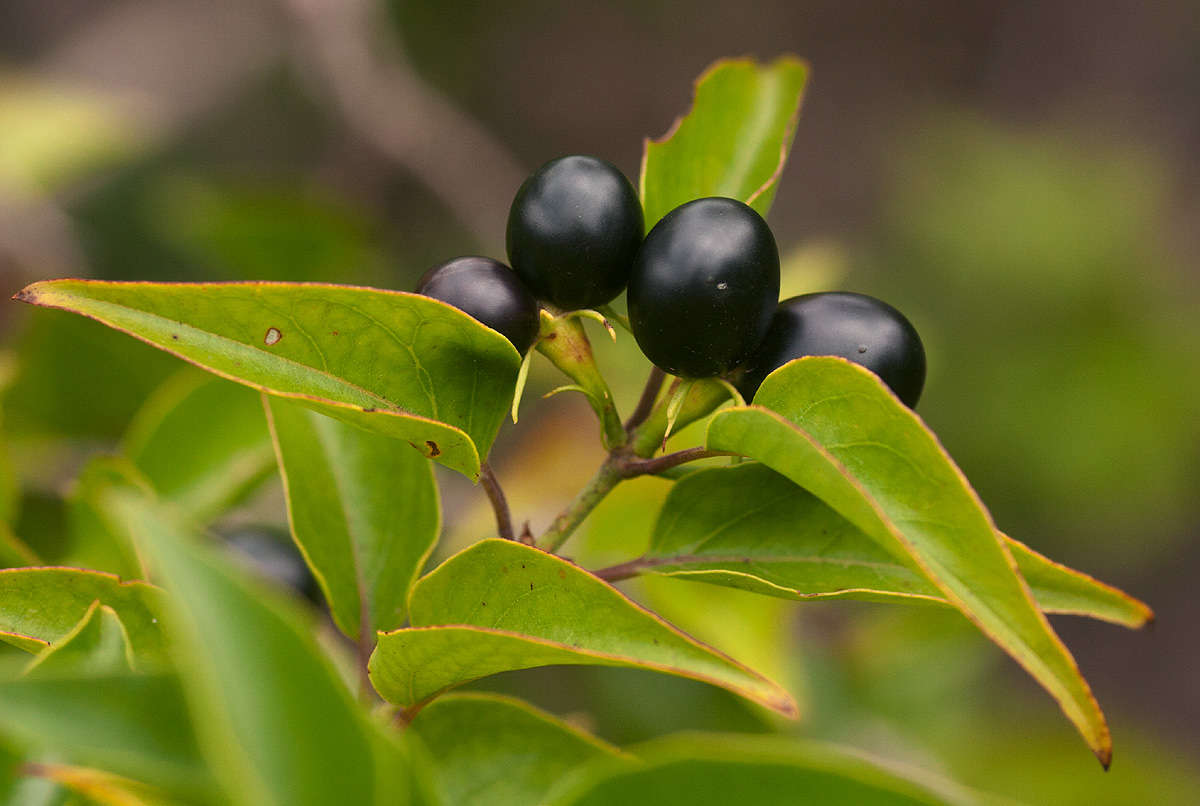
(703, 287)
(573, 230)
(856, 327)
(490, 292)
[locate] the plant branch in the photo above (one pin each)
(619, 466)
(646, 401)
(499, 503)
(601, 484)
(645, 467)
(631, 568)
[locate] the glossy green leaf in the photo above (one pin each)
(202, 443)
(716, 770)
(490, 750)
(734, 142)
(98, 644)
(500, 605)
(39, 606)
(363, 510)
(135, 725)
(95, 542)
(749, 527)
(398, 364)
(275, 719)
(833, 428)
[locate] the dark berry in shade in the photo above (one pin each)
(703, 287)
(490, 292)
(856, 327)
(573, 230)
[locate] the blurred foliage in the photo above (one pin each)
(1059, 329)
(241, 231)
(53, 133)
(77, 379)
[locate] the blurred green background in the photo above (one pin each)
(1021, 179)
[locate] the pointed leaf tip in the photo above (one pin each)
(834, 428)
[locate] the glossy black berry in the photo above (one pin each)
(573, 230)
(490, 292)
(856, 327)
(703, 287)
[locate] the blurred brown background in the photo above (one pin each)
(1020, 178)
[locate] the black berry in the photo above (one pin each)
(490, 292)
(573, 231)
(856, 327)
(703, 287)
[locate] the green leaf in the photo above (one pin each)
(13, 551)
(102, 788)
(135, 725)
(363, 510)
(39, 606)
(96, 542)
(500, 605)
(202, 443)
(490, 750)
(98, 644)
(748, 527)
(10, 485)
(275, 720)
(397, 364)
(75, 378)
(10, 762)
(704, 769)
(734, 141)
(833, 428)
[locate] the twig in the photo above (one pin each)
(601, 484)
(646, 401)
(631, 568)
(499, 503)
(619, 466)
(645, 467)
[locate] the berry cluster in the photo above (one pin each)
(703, 285)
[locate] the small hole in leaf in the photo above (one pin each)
(273, 336)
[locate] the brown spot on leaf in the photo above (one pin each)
(175, 336)
(434, 450)
(373, 409)
(562, 574)
(334, 333)
(484, 604)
